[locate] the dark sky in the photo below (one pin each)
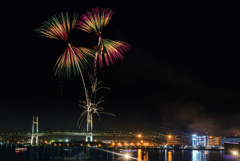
(182, 71)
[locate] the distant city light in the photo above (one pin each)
(66, 140)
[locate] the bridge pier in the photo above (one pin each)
(89, 137)
(89, 134)
(34, 135)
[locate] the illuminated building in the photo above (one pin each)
(214, 141)
(175, 140)
(199, 140)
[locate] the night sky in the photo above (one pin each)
(181, 73)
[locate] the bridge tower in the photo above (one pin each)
(89, 134)
(34, 137)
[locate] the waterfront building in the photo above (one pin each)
(199, 140)
(176, 140)
(214, 141)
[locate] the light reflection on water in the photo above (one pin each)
(182, 155)
(139, 154)
(170, 155)
(43, 154)
(199, 155)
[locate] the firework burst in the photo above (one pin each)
(95, 20)
(73, 59)
(111, 51)
(108, 49)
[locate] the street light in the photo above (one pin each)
(126, 156)
(234, 153)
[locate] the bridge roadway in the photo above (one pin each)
(96, 133)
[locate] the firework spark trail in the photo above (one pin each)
(91, 106)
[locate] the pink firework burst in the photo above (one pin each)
(95, 20)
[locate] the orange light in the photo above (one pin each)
(139, 135)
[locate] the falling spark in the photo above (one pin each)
(91, 106)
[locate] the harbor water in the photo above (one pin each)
(45, 153)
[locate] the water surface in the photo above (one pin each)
(109, 154)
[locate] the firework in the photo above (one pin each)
(58, 27)
(111, 50)
(91, 106)
(95, 21)
(73, 59)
